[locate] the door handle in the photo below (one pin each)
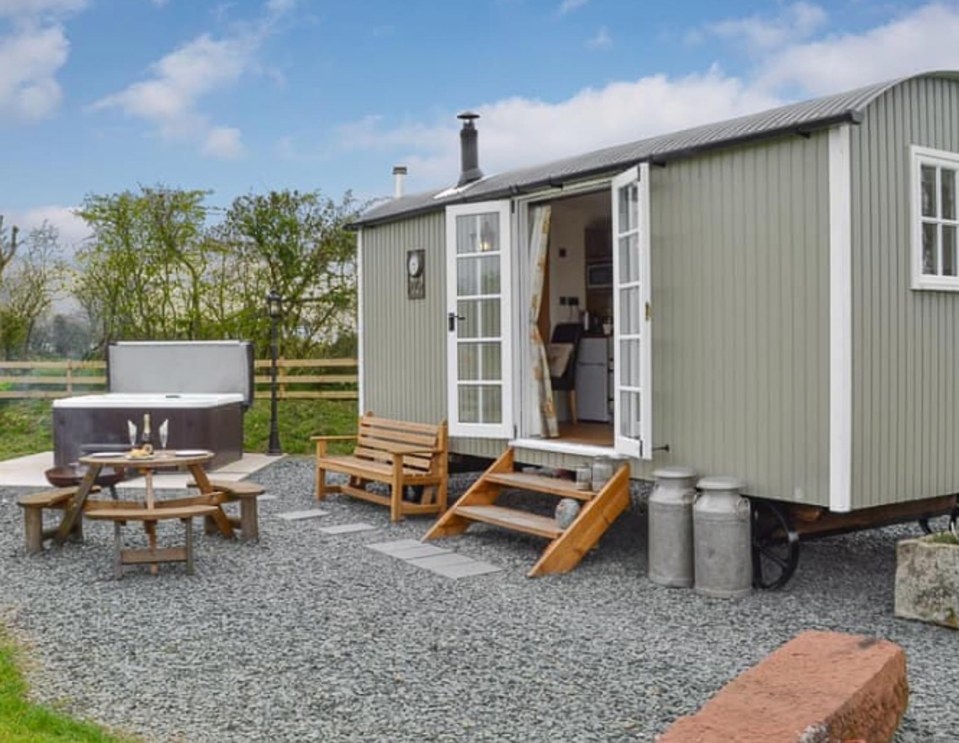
(452, 318)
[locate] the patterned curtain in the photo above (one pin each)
(542, 390)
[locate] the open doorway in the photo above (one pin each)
(576, 317)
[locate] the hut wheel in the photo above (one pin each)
(775, 545)
(932, 524)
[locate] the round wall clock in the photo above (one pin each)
(414, 263)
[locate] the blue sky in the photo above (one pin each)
(104, 95)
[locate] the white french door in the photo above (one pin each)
(632, 356)
(478, 345)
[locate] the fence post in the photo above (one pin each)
(69, 377)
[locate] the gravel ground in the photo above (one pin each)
(310, 637)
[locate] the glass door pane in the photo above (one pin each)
(632, 318)
(477, 295)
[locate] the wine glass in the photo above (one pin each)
(163, 431)
(132, 430)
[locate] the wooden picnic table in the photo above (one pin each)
(192, 460)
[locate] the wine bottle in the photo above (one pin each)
(146, 440)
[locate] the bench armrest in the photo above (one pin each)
(322, 441)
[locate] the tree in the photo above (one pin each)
(62, 337)
(154, 270)
(143, 273)
(33, 273)
(296, 244)
(8, 248)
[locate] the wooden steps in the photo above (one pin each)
(567, 546)
(513, 518)
(540, 484)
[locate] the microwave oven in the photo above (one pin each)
(599, 275)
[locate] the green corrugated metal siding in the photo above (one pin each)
(740, 297)
(905, 342)
(404, 351)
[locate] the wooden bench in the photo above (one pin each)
(33, 506)
(246, 493)
(149, 517)
(398, 453)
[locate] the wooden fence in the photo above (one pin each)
(297, 379)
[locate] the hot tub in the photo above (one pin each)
(202, 388)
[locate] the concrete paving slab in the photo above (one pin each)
(301, 515)
(441, 561)
(27, 471)
(407, 549)
(388, 548)
(463, 569)
(420, 550)
(347, 528)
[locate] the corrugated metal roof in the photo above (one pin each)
(794, 118)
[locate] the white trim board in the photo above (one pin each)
(359, 322)
(563, 447)
(840, 320)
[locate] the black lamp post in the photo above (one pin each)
(274, 305)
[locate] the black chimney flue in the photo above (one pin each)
(469, 150)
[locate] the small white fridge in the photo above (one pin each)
(593, 368)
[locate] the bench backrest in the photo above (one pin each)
(373, 432)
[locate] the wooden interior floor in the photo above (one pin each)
(597, 434)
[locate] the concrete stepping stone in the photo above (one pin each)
(301, 515)
(454, 565)
(346, 528)
(435, 559)
(406, 549)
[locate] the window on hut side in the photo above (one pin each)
(935, 219)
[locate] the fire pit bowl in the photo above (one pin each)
(67, 476)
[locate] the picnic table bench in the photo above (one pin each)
(33, 506)
(150, 516)
(246, 493)
(401, 454)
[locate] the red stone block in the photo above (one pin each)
(820, 687)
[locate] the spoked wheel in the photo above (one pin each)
(775, 545)
(946, 522)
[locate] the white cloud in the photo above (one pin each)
(169, 99)
(793, 57)
(517, 131)
(570, 5)
(35, 9)
(922, 40)
(29, 61)
(224, 143)
(31, 54)
(73, 230)
(602, 40)
(795, 22)
(280, 7)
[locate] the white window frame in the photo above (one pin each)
(920, 156)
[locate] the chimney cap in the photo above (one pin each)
(467, 116)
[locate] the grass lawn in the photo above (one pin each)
(27, 425)
(22, 722)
